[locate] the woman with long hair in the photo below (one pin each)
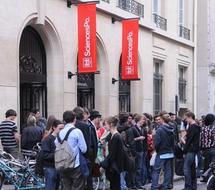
(52, 178)
(113, 162)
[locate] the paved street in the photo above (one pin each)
(178, 185)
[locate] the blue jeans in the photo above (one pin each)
(52, 179)
(122, 181)
(138, 164)
(144, 170)
(164, 164)
(190, 171)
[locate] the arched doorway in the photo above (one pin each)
(32, 57)
(124, 92)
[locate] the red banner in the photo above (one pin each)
(87, 38)
(129, 64)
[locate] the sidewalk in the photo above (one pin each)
(176, 179)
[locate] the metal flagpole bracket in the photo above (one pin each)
(115, 80)
(70, 74)
(76, 2)
(116, 18)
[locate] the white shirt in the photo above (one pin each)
(75, 140)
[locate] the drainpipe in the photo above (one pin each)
(195, 59)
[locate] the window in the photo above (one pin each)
(157, 80)
(124, 93)
(181, 12)
(182, 83)
(156, 7)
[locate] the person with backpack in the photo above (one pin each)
(113, 163)
(70, 144)
(124, 128)
(52, 177)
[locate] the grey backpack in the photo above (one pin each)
(64, 155)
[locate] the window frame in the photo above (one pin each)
(158, 11)
(182, 84)
(157, 90)
(181, 9)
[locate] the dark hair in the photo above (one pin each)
(112, 120)
(69, 116)
(131, 115)
(123, 117)
(209, 119)
(190, 114)
(171, 114)
(34, 110)
(148, 116)
(56, 123)
(10, 112)
(79, 112)
(50, 122)
(156, 116)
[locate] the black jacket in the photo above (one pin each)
(192, 139)
(93, 142)
(87, 136)
(141, 145)
(30, 137)
(164, 139)
(114, 159)
(48, 148)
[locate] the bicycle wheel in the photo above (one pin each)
(211, 183)
(33, 182)
(96, 182)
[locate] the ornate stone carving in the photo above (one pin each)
(29, 65)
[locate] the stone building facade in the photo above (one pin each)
(39, 47)
(206, 58)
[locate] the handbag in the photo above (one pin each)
(83, 165)
(152, 160)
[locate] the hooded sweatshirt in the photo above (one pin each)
(164, 139)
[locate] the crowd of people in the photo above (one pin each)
(158, 146)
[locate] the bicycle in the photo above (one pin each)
(211, 180)
(18, 173)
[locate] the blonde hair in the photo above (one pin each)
(31, 121)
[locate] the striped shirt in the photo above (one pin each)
(7, 130)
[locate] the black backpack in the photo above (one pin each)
(129, 159)
(39, 164)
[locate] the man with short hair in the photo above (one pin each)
(9, 134)
(191, 149)
(73, 179)
(94, 120)
(164, 147)
(84, 127)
